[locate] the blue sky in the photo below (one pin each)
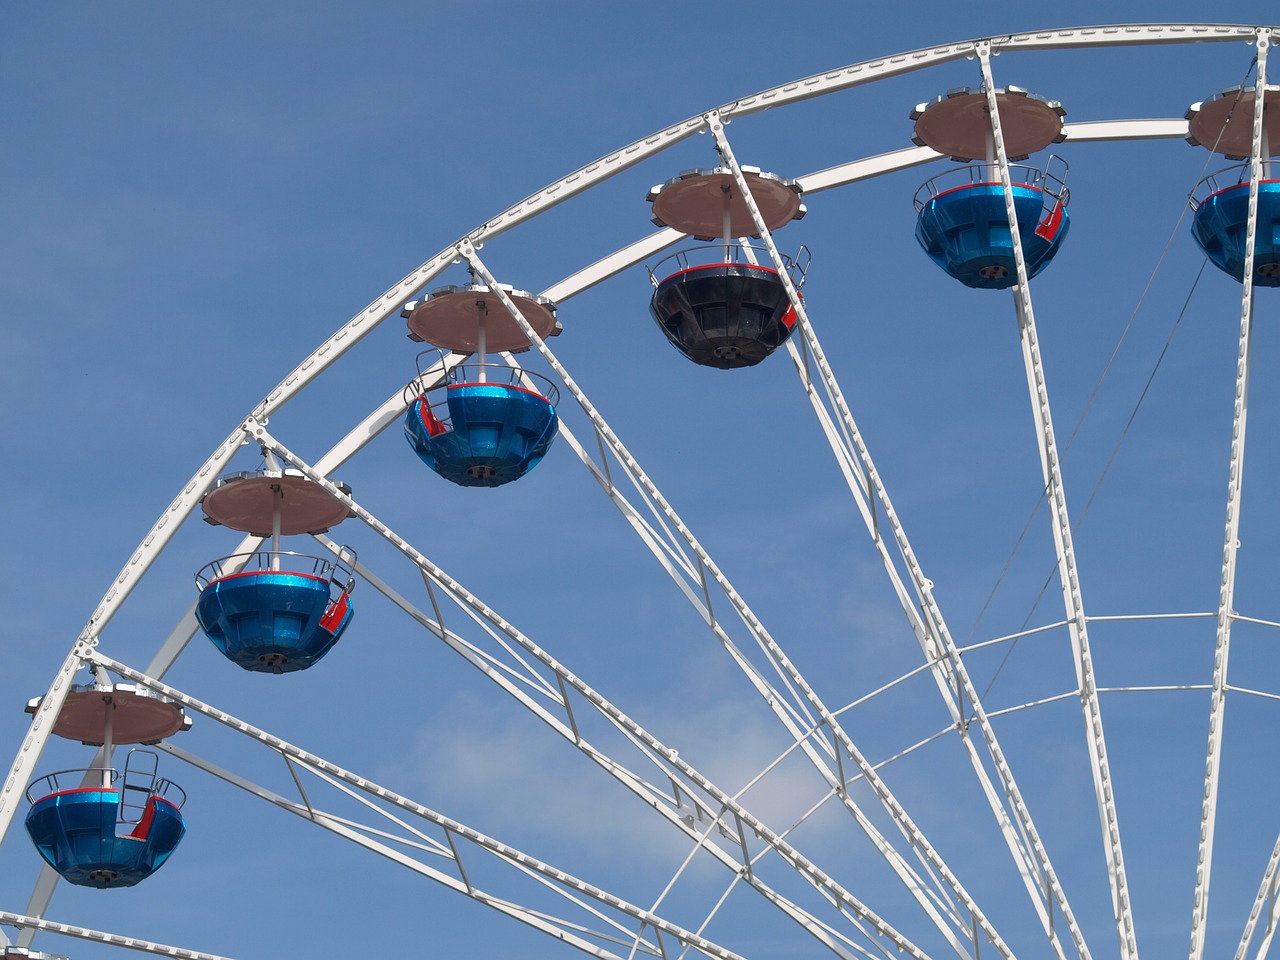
(198, 196)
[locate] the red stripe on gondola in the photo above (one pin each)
(1234, 186)
(504, 386)
(971, 186)
(263, 573)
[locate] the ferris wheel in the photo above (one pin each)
(1074, 766)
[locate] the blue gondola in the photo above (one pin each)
(273, 620)
(965, 229)
(86, 835)
(1220, 223)
(485, 432)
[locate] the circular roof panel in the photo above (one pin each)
(694, 203)
(959, 126)
(1224, 123)
(137, 715)
(450, 317)
(247, 502)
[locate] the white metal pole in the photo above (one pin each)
(957, 675)
(901, 818)
(1068, 572)
(482, 338)
(277, 495)
(107, 745)
(726, 218)
(1231, 537)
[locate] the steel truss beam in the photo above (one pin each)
(712, 805)
(602, 902)
(798, 705)
(1230, 547)
(1067, 571)
(97, 936)
(928, 623)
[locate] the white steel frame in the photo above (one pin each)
(715, 820)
